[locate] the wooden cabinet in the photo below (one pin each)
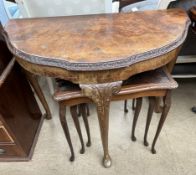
(20, 116)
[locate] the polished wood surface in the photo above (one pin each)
(120, 40)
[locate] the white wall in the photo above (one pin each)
(41, 8)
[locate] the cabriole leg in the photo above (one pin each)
(101, 94)
(62, 115)
(149, 118)
(166, 108)
(84, 116)
(73, 110)
(137, 112)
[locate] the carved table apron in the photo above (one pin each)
(98, 51)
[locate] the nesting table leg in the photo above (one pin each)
(166, 108)
(158, 108)
(149, 118)
(101, 94)
(73, 110)
(125, 107)
(62, 115)
(133, 104)
(137, 112)
(84, 112)
(87, 109)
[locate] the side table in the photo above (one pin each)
(98, 51)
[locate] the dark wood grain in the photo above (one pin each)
(20, 116)
(122, 39)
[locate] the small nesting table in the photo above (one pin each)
(98, 51)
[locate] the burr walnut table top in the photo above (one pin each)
(97, 42)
